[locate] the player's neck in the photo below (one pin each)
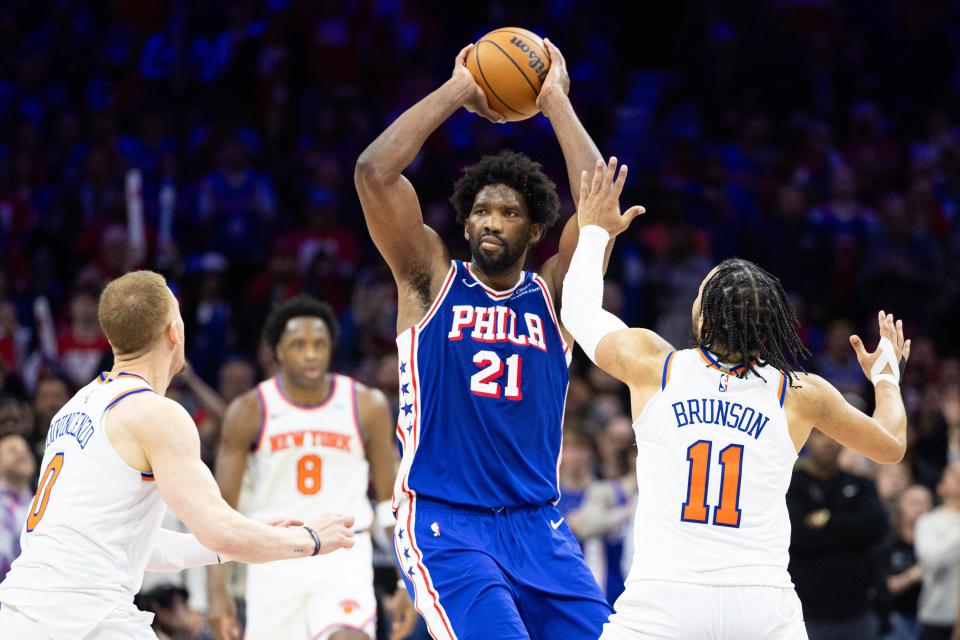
(305, 395)
(149, 367)
(724, 356)
(500, 281)
(952, 503)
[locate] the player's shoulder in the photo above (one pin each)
(367, 395)
(808, 386)
(248, 400)
(245, 412)
(809, 394)
(148, 409)
(645, 347)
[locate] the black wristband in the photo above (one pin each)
(316, 540)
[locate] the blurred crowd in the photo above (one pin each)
(215, 142)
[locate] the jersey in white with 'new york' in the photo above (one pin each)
(308, 459)
(93, 523)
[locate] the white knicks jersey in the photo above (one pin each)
(714, 461)
(308, 459)
(93, 523)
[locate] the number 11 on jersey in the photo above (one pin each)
(696, 509)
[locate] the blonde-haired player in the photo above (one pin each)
(718, 429)
(117, 454)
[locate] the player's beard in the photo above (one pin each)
(499, 261)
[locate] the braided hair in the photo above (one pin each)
(745, 310)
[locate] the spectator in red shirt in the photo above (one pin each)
(81, 344)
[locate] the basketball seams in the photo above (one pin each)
(536, 92)
(528, 36)
(487, 82)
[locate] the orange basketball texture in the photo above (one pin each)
(510, 65)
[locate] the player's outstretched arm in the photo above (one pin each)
(176, 551)
(169, 442)
(389, 202)
(580, 153)
(629, 355)
(881, 437)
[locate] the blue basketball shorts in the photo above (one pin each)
(510, 574)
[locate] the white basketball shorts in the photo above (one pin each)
(311, 598)
(655, 609)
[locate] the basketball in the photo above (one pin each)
(510, 65)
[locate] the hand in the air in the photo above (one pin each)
(600, 199)
(891, 329)
(477, 100)
(558, 79)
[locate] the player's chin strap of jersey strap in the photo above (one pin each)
(581, 304)
(886, 358)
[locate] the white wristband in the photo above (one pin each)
(886, 357)
(384, 514)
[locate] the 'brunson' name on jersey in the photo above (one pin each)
(724, 413)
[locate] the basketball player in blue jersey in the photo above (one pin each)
(718, 428)
(483, 380)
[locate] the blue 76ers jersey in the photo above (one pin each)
(483, 381)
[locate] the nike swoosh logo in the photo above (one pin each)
(556, 524)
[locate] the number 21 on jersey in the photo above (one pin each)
(696, 509)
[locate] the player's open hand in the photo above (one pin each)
(335, 531)
(403, 614)
(600, 199)
(892, 330)
(476, 101)
(557, 81)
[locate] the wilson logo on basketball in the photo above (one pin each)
(535, 62)
(349, 606)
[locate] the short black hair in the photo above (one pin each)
(518, 172)
(301, 305)
(746, 311)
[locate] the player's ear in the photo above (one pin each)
(174, 332)
(535, 233)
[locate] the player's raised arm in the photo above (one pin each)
(580, 153)
(627, 354)
(169, 441)
(390, 204)
(881, 437)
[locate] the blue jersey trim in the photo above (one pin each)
(666, 370)
(124, 395)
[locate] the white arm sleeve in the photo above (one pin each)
(581, 305)
(178, 551)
